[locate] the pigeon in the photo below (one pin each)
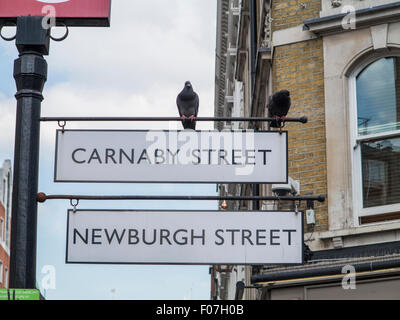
(278, 108)
(188, 106)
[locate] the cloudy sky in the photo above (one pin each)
(134, 68)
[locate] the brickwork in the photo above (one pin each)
(299, 67)
(288, 14)
(4, 257)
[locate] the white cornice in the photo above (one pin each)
(363, 18)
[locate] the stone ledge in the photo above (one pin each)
(364, 18)
(325, 235)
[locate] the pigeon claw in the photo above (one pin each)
(281, 123)
(191, 117)
(277, 120)
(280, 120)
(183, 117)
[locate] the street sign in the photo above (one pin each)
(69, 12)
(19, 294)
(171, 156)
(184, 237)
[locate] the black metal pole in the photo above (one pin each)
(30, 73)
(161, 119)
(256, 187)
(253, 54)
(42, 197)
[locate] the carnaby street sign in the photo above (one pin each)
(69, 12)
(184, 237)
(171, 156)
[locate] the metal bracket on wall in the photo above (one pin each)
(240, 286)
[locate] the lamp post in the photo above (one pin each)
(30, 74)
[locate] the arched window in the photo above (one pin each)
(376, 160)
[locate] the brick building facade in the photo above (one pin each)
(328, 54)
(5, 222)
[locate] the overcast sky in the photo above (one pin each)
(135, 68)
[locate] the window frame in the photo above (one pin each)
(355, 144)
(6, 277)
(7, 208)
(2, 230)
(4, 193)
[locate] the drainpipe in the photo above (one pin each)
(253, 42)
(253, 48)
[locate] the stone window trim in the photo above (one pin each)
(2, 231)
(357, 66)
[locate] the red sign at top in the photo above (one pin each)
(70, 12)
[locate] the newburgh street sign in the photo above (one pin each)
(184, 237)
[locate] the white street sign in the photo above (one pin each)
(171, 156)
(184, 237)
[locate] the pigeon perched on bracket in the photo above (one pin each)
(188, 106)
(278, 107)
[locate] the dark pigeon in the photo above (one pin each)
(278, 107)
(188, 106)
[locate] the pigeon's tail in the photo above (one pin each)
(189, 124)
